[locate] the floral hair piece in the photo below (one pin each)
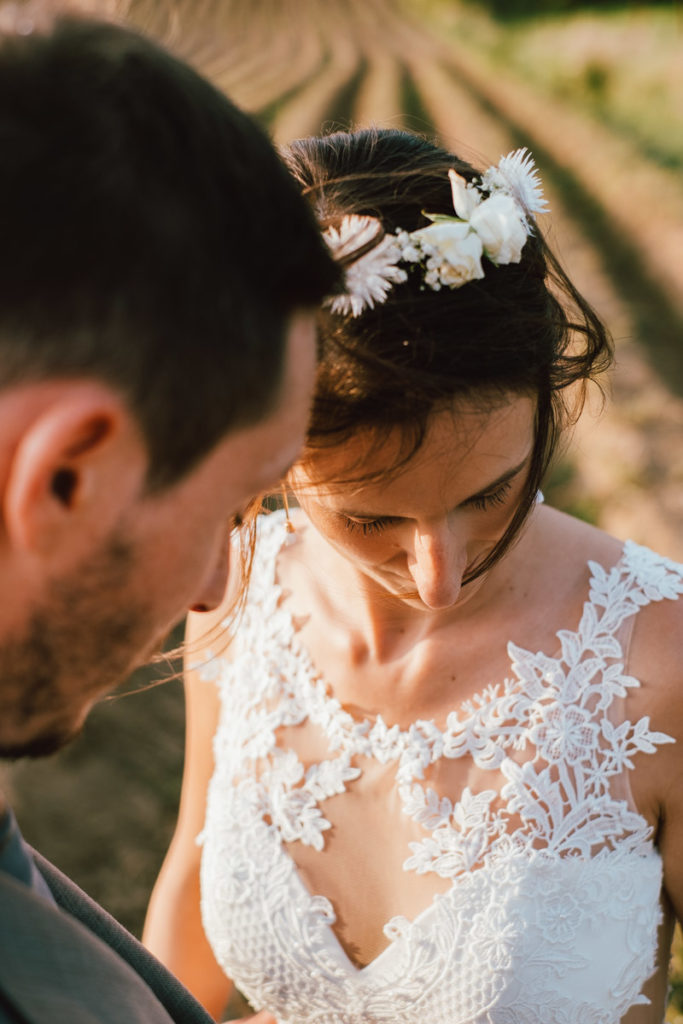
(493, 218)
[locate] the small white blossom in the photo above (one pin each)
(455, 250)
(564, 733)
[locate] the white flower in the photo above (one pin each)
(466, 196)
(491, 220)
(353, 234)
(410, 253)
(425, 806)
(516, 175)
(369, 279)
(433, 280)
(386, 743)
(498, 223)
(559, 915)
(454, 252)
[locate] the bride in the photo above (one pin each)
(440, 750)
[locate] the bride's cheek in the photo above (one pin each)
(367, 548)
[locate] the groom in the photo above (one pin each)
(157, 277)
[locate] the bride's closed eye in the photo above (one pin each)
(495, 498)
(482, 502)
(368, 526)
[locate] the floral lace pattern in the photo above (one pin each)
(553, 908)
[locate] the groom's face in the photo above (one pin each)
(168, 553)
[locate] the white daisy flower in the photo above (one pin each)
(370, 278)
(353, 234)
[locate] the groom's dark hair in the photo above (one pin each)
(149, 235)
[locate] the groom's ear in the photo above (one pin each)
(79, 462)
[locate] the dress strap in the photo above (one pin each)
(638, 578)
(271, 535)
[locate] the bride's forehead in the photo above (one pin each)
(456, 441)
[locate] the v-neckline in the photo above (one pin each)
(357, 970)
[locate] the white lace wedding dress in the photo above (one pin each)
(552, 908)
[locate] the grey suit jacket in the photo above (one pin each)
(72, 963)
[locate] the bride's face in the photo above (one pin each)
(418, 533)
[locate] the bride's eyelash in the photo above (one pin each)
(485, 501)
(366, 526)
(482, 502)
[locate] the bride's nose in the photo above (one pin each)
(438, 564)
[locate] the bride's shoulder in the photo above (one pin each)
(651, 581)
(581, 559)
(574, 542)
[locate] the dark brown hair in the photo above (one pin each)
(151, 236)
(522, 329)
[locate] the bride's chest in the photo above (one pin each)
(381, 819)
(368, 884)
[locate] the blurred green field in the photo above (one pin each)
(621, 65)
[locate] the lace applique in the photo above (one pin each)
(555, 883)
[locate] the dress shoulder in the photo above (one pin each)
(271, 535)
(651, 585)
(659, 577)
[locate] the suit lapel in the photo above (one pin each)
(53, 969)
(180, 1005)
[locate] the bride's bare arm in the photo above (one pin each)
(656, 782)
(173, 928)
(670, 781)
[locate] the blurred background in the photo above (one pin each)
(595, 90)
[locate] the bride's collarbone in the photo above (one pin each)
(423, 663)
(423, 679)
